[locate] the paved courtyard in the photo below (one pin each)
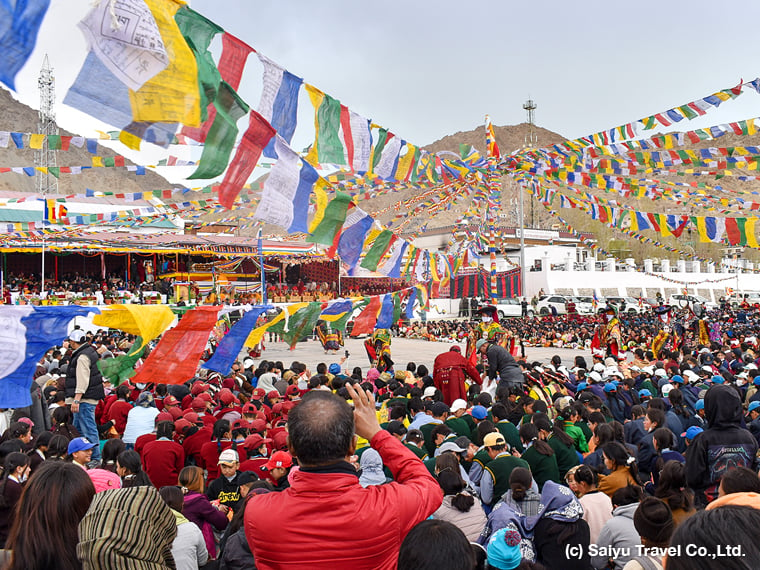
(403, 350)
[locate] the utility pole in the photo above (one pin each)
(531, 141)
(45, 157)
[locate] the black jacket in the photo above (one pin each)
(95, 389)
(501, 362)
(722, 446)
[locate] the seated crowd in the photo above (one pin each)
(623, 462)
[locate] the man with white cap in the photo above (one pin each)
(84, 387)
(456, 421)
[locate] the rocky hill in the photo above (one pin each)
(17, 117)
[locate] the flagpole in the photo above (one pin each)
(261, 263)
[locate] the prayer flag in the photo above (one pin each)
(232, 343)
(364, 323)
(379, 247)
(20, 22)
(145, 321)
(355, 229)
(28, 332)
(385, 317)
(279, 101)
(256, 137)
(299, 323)
(121, 368)
(175, 358)
(332, 220)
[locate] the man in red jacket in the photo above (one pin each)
(450, 370)
(325, 492)
(163, 459)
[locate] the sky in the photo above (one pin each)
(428, 69)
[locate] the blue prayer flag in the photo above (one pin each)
(230, 346)
(20, 22)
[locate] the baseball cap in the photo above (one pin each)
(753, 406)
(480, 343)
(692, 432)
(717, 379)
(246, 478)
(240, 424)
(648, 370)
(493, 439)
(678, 379)
(257, 425)
(254, 441)
(258, 393)
(198, 404)
(191, 416)
(334, 368)
(77, 335)
(228, 456)
(429, 392)
(396, 427)
(439, 408)
(595, 376)
(581, 386)
(171, 401)
(226, 397)
(80, 444)
(248, 362)
(198, 388)
(598, 367)
(458, 404)
(279, 459)
(249, 409)
(164, 417)
(699, 405)
(661, 373)
(272, 394)
(26, 421)
(181, 425)
(610, 387)
(756, 380)
(479, 412)
(691, 376)
(644, 393)
(463, 441)
(206, 397)
(292, 390)
(450, 446)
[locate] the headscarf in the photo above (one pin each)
(129, 528)
(371, 469)
(145, 400)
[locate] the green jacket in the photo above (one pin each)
(543, 467)
(458, 426)
(578, 437)
(567, 457)
(500, 470)
(510, 433)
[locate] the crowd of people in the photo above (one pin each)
(615, 461)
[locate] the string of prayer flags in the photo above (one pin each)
(332, 220)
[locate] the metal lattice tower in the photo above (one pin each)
(531, 141)
(46, 183)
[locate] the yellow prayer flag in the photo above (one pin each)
(146, 321)
(749, 230)
(36, 141)
(129, 140)
(97, 161)
(172, 95)
(319, 192)
(316, 96)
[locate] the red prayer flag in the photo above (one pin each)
(258, 135)
(234, 55)
(365, 321)
(175, 359)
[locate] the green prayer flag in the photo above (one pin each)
(55, 171)
(382, 139)
(299, 325)
(222, 135)
(54, 142)
(329, 147)
(198, 33)
(121, 368)
(109, 161)
(332, 221)
(377, 250)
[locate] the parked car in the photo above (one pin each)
(511, 307)
(628, 304)
(583, 305)
(684, 300)
(547, 301)
(596, 306)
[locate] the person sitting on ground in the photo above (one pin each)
(597, 506)
(459, 507)
(325, 491)
(435, 545)
(672, 489)
(198, 509)
(654, 523)
(129, 468)
(622, 469)
(189, 547)
(619, 532)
